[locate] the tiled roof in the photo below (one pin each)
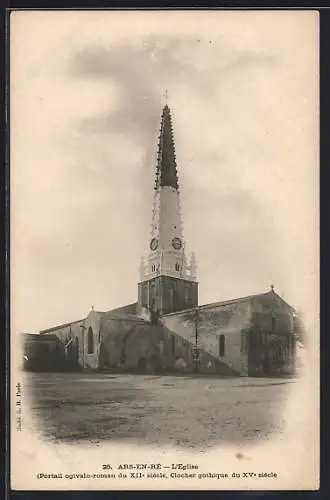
(128, 312)
(36, 337)
(233, 302)
(127, 309)
(31, 336)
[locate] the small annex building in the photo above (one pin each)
(44, 353)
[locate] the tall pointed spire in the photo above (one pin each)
(166, 172)
(167, 283)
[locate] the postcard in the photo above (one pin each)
(164, 258)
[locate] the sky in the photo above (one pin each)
(87, 90)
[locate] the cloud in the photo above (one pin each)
(141, 72)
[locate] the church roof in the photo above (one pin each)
(258, 296)
(128, 312)
(127, 309)
(58, 327)
(166, 172)
(36, 337)
(235, 301)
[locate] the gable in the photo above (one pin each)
(128, 309)
(270, 302)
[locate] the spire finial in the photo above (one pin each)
(272, 287)
(165, 96)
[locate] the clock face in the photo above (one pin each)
(153, 243)
(176, 243)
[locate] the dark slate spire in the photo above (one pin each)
(166, 173)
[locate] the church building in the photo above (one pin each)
(166, 330)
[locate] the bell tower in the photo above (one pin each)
(167, 281)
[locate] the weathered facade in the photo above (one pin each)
(166, 330)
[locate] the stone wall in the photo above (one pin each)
(130, 344)
(42, 354)
(77, 332)
(230, 320)
(250, 329)
(272, 344)
(114, 332)
(167, 294)
(65, 333)
(271, 313)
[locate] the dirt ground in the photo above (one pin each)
(181, 410)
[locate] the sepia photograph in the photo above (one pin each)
(164, 178)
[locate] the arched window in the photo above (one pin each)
(221, 346)
(90, 341)
(177, 267)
